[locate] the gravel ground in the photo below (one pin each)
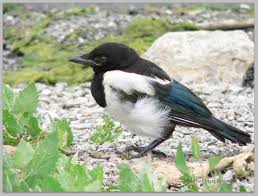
(234, 104)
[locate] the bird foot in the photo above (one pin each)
(134, 152)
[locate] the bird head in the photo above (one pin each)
(107, 57)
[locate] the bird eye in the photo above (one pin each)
(100, 60)
(103, 59)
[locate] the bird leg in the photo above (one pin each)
(143, 150)
(148, 148)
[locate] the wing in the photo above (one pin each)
(129, 83)
(186, 107)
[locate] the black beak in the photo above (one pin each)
(83, 61)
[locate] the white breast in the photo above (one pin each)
(145, 117)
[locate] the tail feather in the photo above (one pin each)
(222, 131)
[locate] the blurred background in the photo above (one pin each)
(39, 38)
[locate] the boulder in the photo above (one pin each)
(213, 57)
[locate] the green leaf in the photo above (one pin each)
(213, 161)
(45, 157)
(107, 132)
(11, 125)
(225, 187)
(96, 173)
(196, 148)
(151, 183)
(31, 124)
(112, 188)
(180, 161)
(9, 139)
(73, 178)
(65, 135)
(9, 174)
(145, 181)
(94, 186)
(23, 154)
(27, 100)
(242, 189)
(129, 181)
(8, 97)
(49, 184)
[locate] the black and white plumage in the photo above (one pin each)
(141, 96)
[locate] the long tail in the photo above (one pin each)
(222, 131)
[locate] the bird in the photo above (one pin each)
(146, 100)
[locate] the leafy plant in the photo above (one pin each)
(189, 180)
(38, 165)
(43, 168)
(80, 11)
(65, 135)
(196, 148)
(107, 132)
(19, 118)
(145, 181)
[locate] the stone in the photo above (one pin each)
(214, 149)
(228, 176)
(45, 92)
(212, 57)
(245, 6)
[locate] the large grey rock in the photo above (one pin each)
(215, 57)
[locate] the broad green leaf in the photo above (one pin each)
(45, 156)
(23, 187)
(180, 161)
(96, 173)
(196, 148)
(94, 186)
(129, 181)
(11, 125)
(112, 188)
(65, 135)
(10, 181)
(31, 124)
(9, 139)
(96, 179)
(151, 183)
(213, 161)
(145, 181)
(26, 100)
(225, 187)
(74, 178)
(49, 184)
(242, 189)
(8, 97)
(23, 154)
(147, 184)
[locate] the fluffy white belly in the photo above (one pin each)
(145, 117)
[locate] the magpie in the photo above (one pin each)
(142, 96)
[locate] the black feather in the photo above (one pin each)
(187, 109)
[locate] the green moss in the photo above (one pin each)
(13, 8)
(223, 7)
(141, 33)
(187, 8)
(70, 74)
(80, 11)
(46, 61)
